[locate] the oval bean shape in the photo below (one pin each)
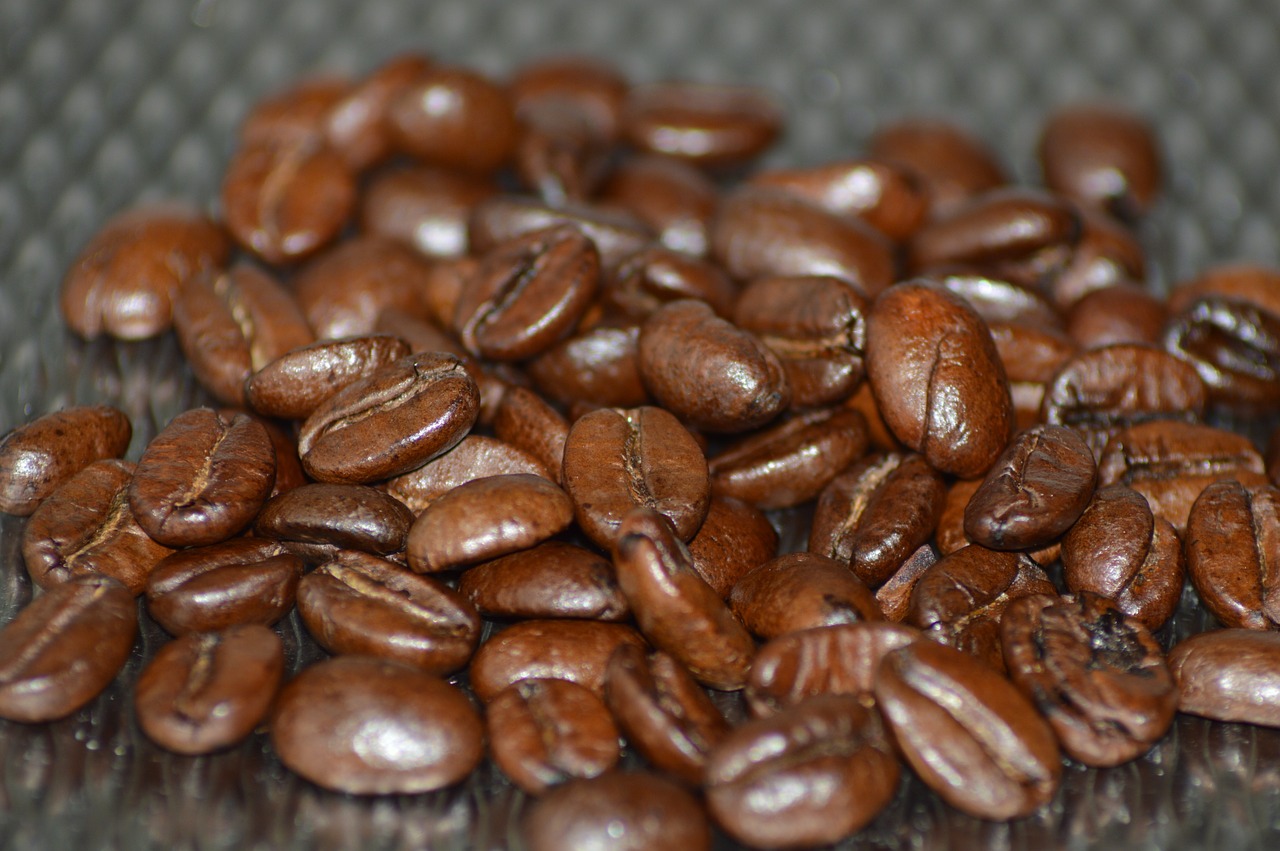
(293, 385)
(38, 457)
(353, 517)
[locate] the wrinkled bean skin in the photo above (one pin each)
(952, 164)
(207, 691)
(1233, 553)
(1101, 155)
(454, 117)
(38, 457)
(1098, 676)
(937, 377)
(801, 591)
(427, 735)
(551, 580)
(811, 775)
(1229, 675)
(475, 457)
(292, 386)
(674, 608)
(349, 516)
(202, 479)
(970, 735)
(342, 291)
(64, 648)
(574, 650)
(620, 811)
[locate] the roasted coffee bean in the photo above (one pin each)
(761, 232)
(544, 732)
(289, 473)
(953, 164)
(574, 650)
(1229, 675)
(233, 323)
(295, 113)
(1120, 550)
(64, 648)
(673, 198)
(1243, 282)
(1098, 676)
(894, 596)
(663, 712)
(527, 294)
(600, 366)
(454, 117)
(708, 124)
(656, 275)
(123, 281)
(1035, 491)
(368, 726)
(961, 599)
(352, 517)
(552, 580)
(877, 513)
(839, 659)
(617, 460)
(361, 604)
(295, 384)
(207, 691)
(790, 463)
(816, 326)
(811, 775)
(616, 235)
(1121, 313)
(937, 377)
(950, 534)
(1234, 346)
(487, 518)
(999, 301)
(1108, 254)
(393, 420)
(621, 811)
(342, 291)
(85, 528)
(35, 459)
(675, 609)
(734, 539)
(801, 591)
(708, 372)
(357, 126)
(1031, 358)
(206, 589)
(969, 734)
(526, 421)
(592, 87)
(475, 457)
(1101, 155)
(424, 207)
(1233, 553)
(202, 479)
(560, 155)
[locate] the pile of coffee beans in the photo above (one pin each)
(789, 481)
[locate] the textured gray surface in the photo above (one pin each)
(105, 103)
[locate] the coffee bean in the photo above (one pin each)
(1234, 346)
(207, 691)
(64, 648)
(475, 457)
(599, 365)
(953, 164)
(734, 539)
(426, 208)
(1031, 358)
(631, 811)
(1108, 254)
(1229, 675)
(593, 88)
(368, 726)
(348, 516)
(1122, 313)
(1240, 282)
(574, 650)
(551, 580)
(673, 198)
(708, 124)
(35, 459)
(292, 386)
(454, 117)
(615, 234)
(296, 113)
(1101, 155)
(894, 596)
(656, 275)
(1233, 533)
(357, 125)
(560, 154)
(999, 301)
(342, 291)
(526, 421)
(801, 591)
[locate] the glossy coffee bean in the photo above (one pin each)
(1098, 676)
(342, 291)
(295, 113)
(368, 726)
(475, 457)
(621, 811)
(85, 528)
(734, 539)
(1241, 282)
(64, 648)
(352, 517)
(592, 87)
(544, 732)
(811, 775)
(999, 301)
(1234, 345)
(361, 604)
(953, 164)
(38, 457)
(560, 154)
(1031, 358)
(656, 275)
(599, 366)
(123, 281)
(425, 207)
(1229, 675)
(801, 591)
(525, 420)
(1101, 155)
(673, 198)
(207, 691)
(894, 596)
(551, 580)
(708, 124)
(454, 117)
(357, 125)
(293, 385)
(1108, 254)
(1233, 553)
(574, 650)
(1121, 313)
(202, 479)
(616, 235)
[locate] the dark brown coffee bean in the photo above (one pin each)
(656, 275)
(1235, 347)
(674, 199)
(811, 775)
(1101, 155)
(1121, 313)
(1098, 676)
(528, 294)
(616, 235)
(999, 301)
(663, 712)
(961, 599)
(289, 474)
(454, 117)
(293, 385)
(970, 735)
(761, 232)
(592, 87)
(487, 518)
(64, 648)
(574, 650)
(1108, 254)
(1120, 550)
(207, 691)
(1254, 284)
(1031, 358)
(838, 659)
(734, 539)
(206, 589)
(391, 421)
(864, 402)
(631, 811)
(877, 513)
(544, 732)
(357, 125)
(361, 604)
(953, 164)
(889, 197)
(708, 372)
(1035, 491)
(295, 113)
(675, 609)
(937, 377)
(526, 421)
(1229, 675)
(342, 291)
(122, 282)
(427, 208)
(894, 596)
(801, 591)
(1233, 553)
(368, 726)
(708, 124)
(600, 366)
(475, 457)
(85, 528)
(35, 459)
(352, 517)
(552, 580)
(560, 154)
